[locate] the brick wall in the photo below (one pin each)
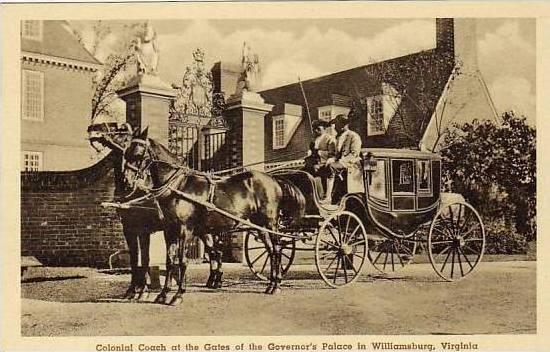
(62, 222)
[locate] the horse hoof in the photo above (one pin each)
(176, 300)
(269, 289)
(161, 298)
(276, 290)
(143, 295)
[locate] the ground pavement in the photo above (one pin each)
(498, 298)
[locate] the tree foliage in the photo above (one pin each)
(494, 167)
(115, 48)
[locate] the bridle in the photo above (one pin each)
(146, 159)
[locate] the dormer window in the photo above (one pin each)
(328, 112)
(325, 113)
(381, 108)
(285, 123)
(375, 116)
(279, 132)
(31, 30)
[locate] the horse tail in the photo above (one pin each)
(293, 202)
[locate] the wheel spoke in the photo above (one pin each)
(330, 244)
(325, 255)
(252, 248)
(332, 261)
(345, 269)
(451, 214)
(352, 235)
(465, 257)
(285, 255)
(258, 257)
(443, 251)
(459, 215)
(453, 263)
(466, 221)
(474, 252)
(392, 262)
(352, 266)
(459, 261)
(471, 230)
(385, 260)
(445, 262)
(340, 229)
(440, 242)
(400, 260)
(358, 243)
(443, 232)
(378, 256)
(347, 227)
(336, 269)
(265, 264)
(333, 236)
(473, 239)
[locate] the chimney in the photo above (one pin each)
(458, 37)
(444, 29)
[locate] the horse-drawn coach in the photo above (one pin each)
(400, 210)
(396, 209)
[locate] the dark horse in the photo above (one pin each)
(138, 223)
(251, 195)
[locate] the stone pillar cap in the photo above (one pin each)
(149, 84)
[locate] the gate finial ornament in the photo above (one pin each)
(147, 51)
(250, 70)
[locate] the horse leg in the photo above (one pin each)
(218, 257)
(276, 265)
(215, 255)
(171, 251)
(144, 279)
(209, 248)
(182, 257)
(132, 243)
(270, 251)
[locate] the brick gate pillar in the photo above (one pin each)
(246, 114)
(147, 100)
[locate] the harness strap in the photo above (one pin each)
(211, 188)
(161, 213)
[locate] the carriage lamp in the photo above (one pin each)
(369, 166)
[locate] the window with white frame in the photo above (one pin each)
(278, 132)
(32, 95)
(32, 30)
(375, 116)
(325, 113)
(31, 161)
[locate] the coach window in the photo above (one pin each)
(424, 176)
(402, 171)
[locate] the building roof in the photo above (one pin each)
(58, 40)
(421, 75)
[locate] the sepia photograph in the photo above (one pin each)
(300, 178)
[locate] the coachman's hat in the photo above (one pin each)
(341, 120)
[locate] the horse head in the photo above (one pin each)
(110, 135)
(137, 160)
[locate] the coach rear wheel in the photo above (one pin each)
(341, 249)
(456, 241)
(257, 257)
(391, 254)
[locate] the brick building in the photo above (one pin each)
(56, 95)
(402, 102)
